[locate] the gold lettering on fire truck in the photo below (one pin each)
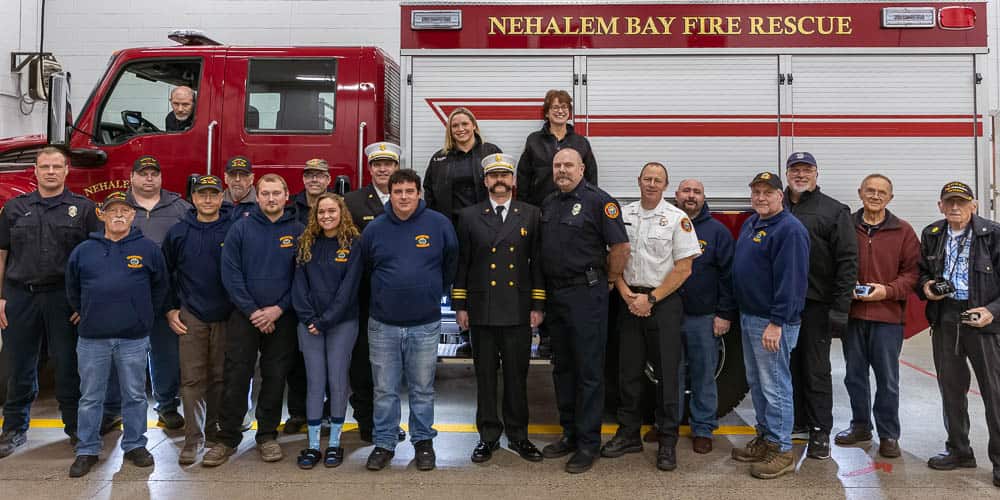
(663, 25)
(112, 185)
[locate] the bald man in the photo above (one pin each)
(181, 114)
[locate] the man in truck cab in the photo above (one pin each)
(181, 114)
(239, 190)
(157, 210)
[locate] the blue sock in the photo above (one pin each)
(335, 425)
(314, 436)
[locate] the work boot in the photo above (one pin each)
(754, 451)
(951, 461)
(217, 455)
(666, 457)
(620, 445)
(854, 434)
(423, 454)
(189, 453)
(10, 440)
(559, 448)
(776, 463)
(140, 457)
(270, 451)
(171, 420)
(889, 448)
(82, 465)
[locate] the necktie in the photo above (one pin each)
(499, 211)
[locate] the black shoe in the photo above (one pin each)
(10, 440)
(996, 479)
(819, 445)
(559, 448)
(82, 465)
(171, 420)
(423, 452)
(140, 457)
(484, 451)
(365, 434)
(379, 458)
(581, 461)
(110, 423)
(334, 457)
(401, 435)
(951, 461)
(526, 449)
(620, 445)
(666, 457)
(294, 424)
(853, 435)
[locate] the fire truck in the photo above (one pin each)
(714, 90)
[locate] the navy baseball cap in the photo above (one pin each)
(957, 190)
(144, 162)
(801, 157)
(207, 182)
(239, 164)
(768, 178)
(115, 197)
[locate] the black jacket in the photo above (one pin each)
(364, 205)
(438, 178)
(984, 257)
(534, 169)
(833, 249)
(499, 278)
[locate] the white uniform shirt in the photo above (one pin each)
(658, 238)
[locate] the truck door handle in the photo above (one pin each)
(211, 142)
(361, 152)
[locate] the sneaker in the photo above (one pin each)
(754, 451)
(424, 454)
(620, 445)
(853, 435)
(217, 455)
(189, 453)
(379, 458)
(819, 445)
(140, 457)
(270, 451)
(294, 424)
(170, 420)
(82, 465)
(10, 441)
(776, 463)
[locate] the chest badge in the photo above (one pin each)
(286, 242)
(576, 209)
(702, 244)
(72, 211)
(759, 236)
(134, 261)
(663, 221)
(611, 210)
(423, 241)
(524, 232)
(342, 255)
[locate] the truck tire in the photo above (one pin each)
(730, 375)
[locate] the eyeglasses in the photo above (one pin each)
(315, 175)
(559, 107)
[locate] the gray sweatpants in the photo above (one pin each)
(328, 359)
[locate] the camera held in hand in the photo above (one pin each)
(943, 287)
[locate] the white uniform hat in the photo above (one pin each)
(382, 151)
(498, 162)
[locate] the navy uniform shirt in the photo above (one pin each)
(39, 234)
(577, 229)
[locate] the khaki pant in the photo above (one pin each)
(203, 354)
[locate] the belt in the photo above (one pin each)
(640, 289)
(557, 283)
(41, 288)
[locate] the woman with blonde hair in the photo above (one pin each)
(454, 178)
(325, 297)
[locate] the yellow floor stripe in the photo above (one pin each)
(725, 430)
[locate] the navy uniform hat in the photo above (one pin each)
(957, 190)
(383, 151)
(801, 157)
(145, 161)
(498, 162)
(115, 197)
(767, 178)
(207, 182)
(239, 164)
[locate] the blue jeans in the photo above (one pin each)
(164, 366)
(876, 345)
(770, 379)
(395, 351)
(701, 349)
(95, 359)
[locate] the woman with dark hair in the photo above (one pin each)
(325, 297)
(534, 169)
(454, 178)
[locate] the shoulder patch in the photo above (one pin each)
(686, 225)
(611, 210)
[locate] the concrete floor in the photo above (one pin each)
(39, 470)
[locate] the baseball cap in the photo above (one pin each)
(115, 197)
(768, 178)
(957, 189)
(801, 157)
(239, 164)
(207, 182)
(498, 162)
(317, 164)
(145, 161)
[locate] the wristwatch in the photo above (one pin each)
(651, 298)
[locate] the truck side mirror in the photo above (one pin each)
(60, 124)
(342, 185)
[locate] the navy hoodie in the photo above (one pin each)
(325, 292)
(258, 261)
(116, 285)
(771, 268)
(193, 252)
(412, 263)
(709, 289)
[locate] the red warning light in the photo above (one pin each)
(957, 18)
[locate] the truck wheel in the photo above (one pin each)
(730, 375)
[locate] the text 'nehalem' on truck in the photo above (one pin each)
(715, 91)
